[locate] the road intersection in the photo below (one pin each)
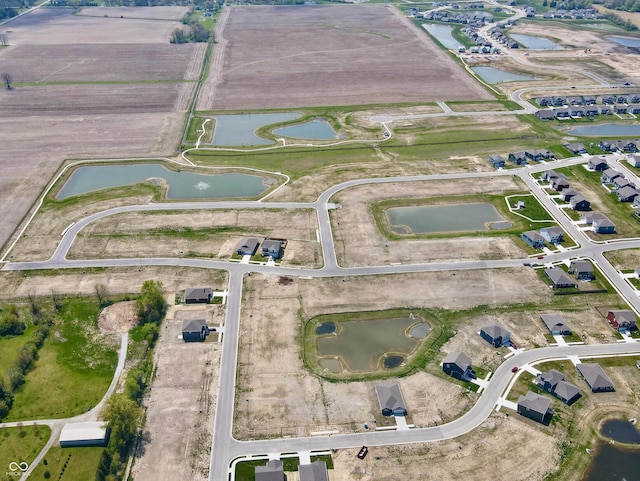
(224, 447)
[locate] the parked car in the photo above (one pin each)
(363, 452)
(514, 369)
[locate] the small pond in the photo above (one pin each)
(316, 129)
(535, 43)
(420, 330)
(613, 463)
(240, 129)
(444, 218)
(626, 41)
(621, 431)
(496, 76)
(182, 185)
(331, 365)
(623, 130)
(443, 34)
(391, 362)
(361, 344)
(326, 328)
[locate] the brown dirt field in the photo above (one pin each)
(179, 411)
(532, 453)
(372, 52)
(624, 259)
(104, 63)
(92, 100)
(298, 403)
(297, 226)
(174, 13)
(58, 25)
(358, 239)
(119, 317)
(16, 285)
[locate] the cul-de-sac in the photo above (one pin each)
(322, 240)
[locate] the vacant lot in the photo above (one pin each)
(360, 242)
(177, 434)
(296, 403)
(44, 124)
(292, 56)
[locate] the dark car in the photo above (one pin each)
(514, 369)
(363, 452)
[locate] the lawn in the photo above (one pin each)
(9, 347)
(69, 464)
(73, 370)
(20, 445)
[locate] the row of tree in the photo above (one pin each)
(193, 32)
(625, 5)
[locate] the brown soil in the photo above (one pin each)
(119, 317)
(372, 52)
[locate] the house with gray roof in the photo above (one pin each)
(582, 269)
(390, 399)
(555, 323)
(575, 147)
(247, 246)
(567, 194)
(633, 160)
(602, 225)
(316, 471)
(273, 248)
(194, 330)
(496, 335)
(549, 175)
(559, 183)
(595, 377)
(622, 320)
(458, 365)
(272, 471)
(627, 193)
(553, 235)
(553, 382)
(597, 164)
(535, 407)
(559, 278)
(609, 175)
(620, 182)
(533, 238)
(198, 295)
(545, 114)
(497, 161)
(579, 203)
(518, 158)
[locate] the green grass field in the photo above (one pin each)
(20, 445)
(68, 464)
(10, 346)
(73, 370)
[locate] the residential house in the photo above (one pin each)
(602, 225)
(533, 238)
(538, 155)
(627, 194)
(582, 269)
(634, 108)
(607, 100)
(627, 146)
(633, 98)
(575, 101)
(595, 377)
(535, 407)
(636, 203)
(272, 471)
(198, 295)
(591, 111)
(273, 248)
(559, 183)
(558, 101)
(579, 203)
(577, 112)
(620, 182)
(545, 114)
(562, 113)
(622, 320)
(621, 109)
(597, 164)
(553, 382)
(555, 324)
(497, 161)
(248, 246)
(496, 335)
(559, 278)
(390, 399)
(608, 145)
(518, 158)
(567, 194)
(316, 471)
(553, 235)
(194, 330)
(633, 160)
(621, 99)
(606, 110)
(549, 175)
(458, 365)
(575, 148)
(589, 99)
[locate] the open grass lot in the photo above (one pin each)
(293, 56)
(20, 445)
(69, 464)
(102, 62)
(74, 367)
(10, 347)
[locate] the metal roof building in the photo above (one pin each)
(84, 434)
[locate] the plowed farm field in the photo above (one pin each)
(293, 56)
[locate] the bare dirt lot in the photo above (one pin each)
(44, 124)
(329, 55)
(179, 411)
(224, 229)
(297, 403)
(359, 240)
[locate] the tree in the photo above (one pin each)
(57, 303)
(33, 300)
(7, 79)
(101, 294)
(123, 415)
(178, 36)
(151, 306)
